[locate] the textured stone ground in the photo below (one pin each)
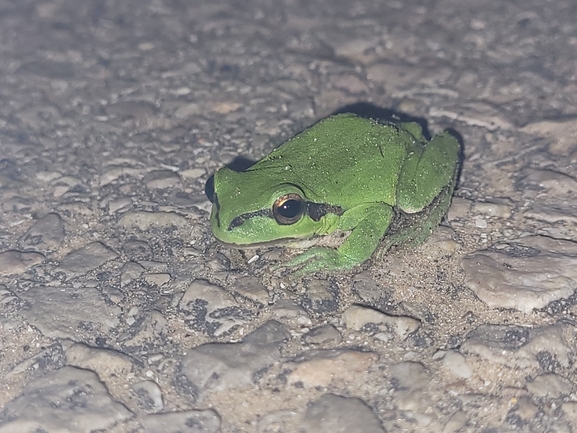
(118, 311)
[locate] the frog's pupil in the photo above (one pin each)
(290, 209)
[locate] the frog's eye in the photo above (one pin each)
(288, 209)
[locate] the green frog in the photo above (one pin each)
(379, 183)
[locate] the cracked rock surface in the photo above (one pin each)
(120, 313)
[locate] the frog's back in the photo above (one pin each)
(342, 159)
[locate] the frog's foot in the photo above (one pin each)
(433, 219)
(319, 258)
(411, 230)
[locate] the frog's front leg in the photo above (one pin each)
(368, 224)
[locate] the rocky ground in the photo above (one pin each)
(120, 313)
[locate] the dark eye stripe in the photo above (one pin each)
(314, 210)
(318, 210)
(239, 220)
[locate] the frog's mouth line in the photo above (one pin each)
(285, 242)
(331, 240)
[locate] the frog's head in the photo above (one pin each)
(253, 207)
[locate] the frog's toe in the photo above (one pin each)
(310, 261)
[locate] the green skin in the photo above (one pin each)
(383, 183)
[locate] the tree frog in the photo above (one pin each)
(378, 183)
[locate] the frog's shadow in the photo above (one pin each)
(384, 115)
(361, 109)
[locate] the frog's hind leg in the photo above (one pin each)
(411, 230)
(433, 219)
(424, 192)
